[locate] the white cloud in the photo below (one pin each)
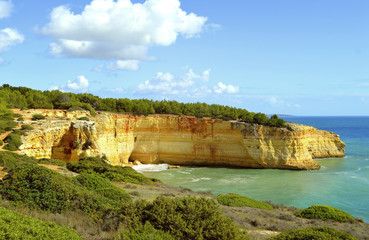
(222, 88)
(165, 83)
(120, 30)
(189, 85)
(5, 9)
(131, 65)
(117, 90)
(9, 37)
(80, 84)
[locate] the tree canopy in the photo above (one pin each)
(22, 97)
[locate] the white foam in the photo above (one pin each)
(200, 179)
(151, 167)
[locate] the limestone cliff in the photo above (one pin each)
(180, 140)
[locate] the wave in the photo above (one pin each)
(151, 167)
(200, 179)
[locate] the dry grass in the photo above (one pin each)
(282, 219)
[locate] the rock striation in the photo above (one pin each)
(178, 140)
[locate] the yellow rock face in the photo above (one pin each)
(178, 140)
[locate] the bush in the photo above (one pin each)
(290, 128)
(20, 119)
(316, 233)
(27, 127)
(1, 142)
(76, 108)
(324, 213)
(48, 161)
(38, 187)
(17, 226)
(101, 185)
(36, 117)
(144, 232)
(84, 118)
(13, 141)
(10, 147)
(105, 170)
(10, 160)
(190, 218)
(235, 200)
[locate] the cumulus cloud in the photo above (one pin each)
(9, 37)
(131, 65)
(121, 30)
(80, 84)
(5, 9)
(222, 88)
(191, 84)
(165, 83)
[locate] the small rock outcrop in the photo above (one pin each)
(178, 140)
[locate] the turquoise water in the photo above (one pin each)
(341, 182)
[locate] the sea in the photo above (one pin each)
(342, 183)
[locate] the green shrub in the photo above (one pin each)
(1, 142)
(105, 170)
(19, 132)
(314, 233)
(10, 160)
(48, 161)
(75, 108)
(20, 119)
(235, 200)
(144, 232)
(7, 122)
(38, 187)
(190, 218)
(36, 117)
(84, 118)
(27, 127)
(14, 225)
(289, 128)
(324, 213)
(10, 147)
(98, 184)
(13, 141)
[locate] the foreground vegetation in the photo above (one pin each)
(235, 200)
(325, 213)
(16, 226)
(316, 233)
(22, 97)
(91, 194)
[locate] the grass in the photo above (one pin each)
(235, 200)
(17, 226)
(314, 233)
(324, 213)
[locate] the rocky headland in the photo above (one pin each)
(181, 140)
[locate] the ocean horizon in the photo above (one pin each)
(341, 182)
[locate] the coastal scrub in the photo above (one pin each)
(235, 200)
(324, 213)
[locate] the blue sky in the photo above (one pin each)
(287, 56)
